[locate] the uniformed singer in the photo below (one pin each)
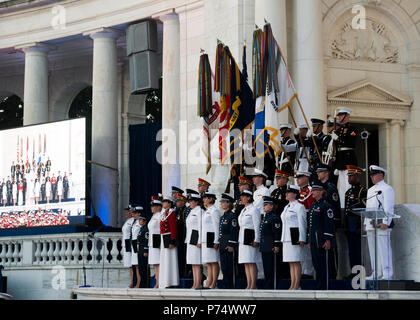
(321, 232)
(249, 236)
(168, 269)
(228, 238)
(210, 238)
(154, 237)
(143, 250)
(270, 231)
(126, 242)
(294, 230)
(134, 247)
(193, 238)
(258, 178)
(381, 195)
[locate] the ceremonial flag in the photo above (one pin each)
(242, 110)
(208, 107)
(278, 101)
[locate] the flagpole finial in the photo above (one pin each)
(256, 27)
(265, 20)
(218, 41)
(202, 51)
(244, 42)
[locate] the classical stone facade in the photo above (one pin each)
(50, 50)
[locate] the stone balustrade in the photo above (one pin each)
(72, 249)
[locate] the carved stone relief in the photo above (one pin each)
(371, 44)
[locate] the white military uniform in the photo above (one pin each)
(126, 235)
(154, 228)
(384, 200)
(262, 191)
(134, 233)
(210, 223)
(193, 222)
(293, 216)
(249, 218)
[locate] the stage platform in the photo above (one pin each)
(95, 293)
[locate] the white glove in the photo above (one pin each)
(334, 136)
(296, 131)
(309, 133)
(268, 183)
(336, 173)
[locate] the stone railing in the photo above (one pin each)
(72, 249)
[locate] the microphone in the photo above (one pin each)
(375, 195)
(379, 192)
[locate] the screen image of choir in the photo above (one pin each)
(34, 184)
(290, 230)
(33, 218)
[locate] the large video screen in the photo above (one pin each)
(42, 175)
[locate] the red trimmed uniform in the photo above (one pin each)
(305, 197)
(169, 225)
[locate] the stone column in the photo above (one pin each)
(105, 124)
(396, 161)
(171, 171)
(35, 99)
(306, 58)
(274, 11)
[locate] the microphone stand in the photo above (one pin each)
(104, 241)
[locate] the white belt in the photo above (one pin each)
(345, 149)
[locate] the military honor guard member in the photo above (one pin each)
(330, 156)
(355, 198)
(333, 199)
(287, 157)
(306, 199)
(303, 159)
(249, 236)
(258, 178)
(321, 232)
(193, 238)
(381, 195)
(243, 184)
(143, 251)
(126, 241)
(345, 142)
(203, 186)
(154, 237)
(270, 234)
(168, 269)
(210, 238)
(293, 237)
(279, 194)
(322, 141)
(134, 252)
(180, 202)
(228, 238)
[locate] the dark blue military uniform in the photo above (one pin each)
(334, 200)
(270, 230)
(321, 228)
(143, 247)
(355, 198)
(228, 237)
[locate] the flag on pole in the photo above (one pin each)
(278, 101)
(208, 106)
(242, 111)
